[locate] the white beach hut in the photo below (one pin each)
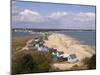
(72, 58)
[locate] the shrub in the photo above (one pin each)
(85, 60)
(33, 62)
(90, 62)
(22, 64)
(43, 67)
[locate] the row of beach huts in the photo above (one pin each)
(38, 45)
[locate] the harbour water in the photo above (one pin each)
(85, 37)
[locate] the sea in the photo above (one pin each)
(85, 37)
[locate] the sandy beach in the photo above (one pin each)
(69, 45)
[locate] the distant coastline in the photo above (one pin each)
(33, 29)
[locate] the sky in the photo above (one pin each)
(52, 16)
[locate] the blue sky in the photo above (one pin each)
(49, 15)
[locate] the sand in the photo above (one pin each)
(69, 45)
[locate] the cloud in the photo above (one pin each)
(85, 16)
(58, 15)
(28, 16)
(56, 19)
(89, 16)
(75, 20)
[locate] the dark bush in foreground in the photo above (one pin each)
(90, 62)
(22, 64)
(31, 62)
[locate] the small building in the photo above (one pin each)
(55, 55)
(36, 45)
(42, 48)
(72, 58)
(36, 40)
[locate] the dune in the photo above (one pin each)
(69, 45)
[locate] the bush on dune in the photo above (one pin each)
(22, 64)
(90, 62)
(31, 62)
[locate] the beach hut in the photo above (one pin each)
(55, 55)
(36, 45)
(64, 57)
(41, 48)
(72, 58)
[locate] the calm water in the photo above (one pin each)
(85, 37)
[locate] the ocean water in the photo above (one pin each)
(85, 37)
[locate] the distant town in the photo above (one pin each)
(37, 30)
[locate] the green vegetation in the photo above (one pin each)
(90, 62)
(33, 62)
(22, 64)
(19, 42)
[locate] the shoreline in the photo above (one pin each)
(69, 45)
(80, 36)
(59, 42)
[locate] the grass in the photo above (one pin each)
(19, 42)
